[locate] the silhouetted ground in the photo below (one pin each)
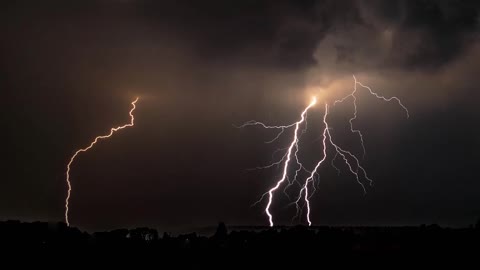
(273, 245)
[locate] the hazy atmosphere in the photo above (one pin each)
(70, 70)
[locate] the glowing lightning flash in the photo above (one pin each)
(350, 159)
(112, 130)
(312, 175)
(287, 157)
(294, 143)
(354, 117)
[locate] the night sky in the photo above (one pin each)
(69, 70)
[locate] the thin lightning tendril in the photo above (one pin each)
(333, 163)
(354, 117)
(112, 130)
(352, 162)
(256, 123)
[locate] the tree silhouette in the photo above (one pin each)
(221, 231)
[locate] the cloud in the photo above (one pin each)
(425, 51)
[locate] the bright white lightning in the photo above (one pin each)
(350, 159)
(346, 155)
(354, 117)
(287, 157)
(112, 130)
(312, 175)
(294, 143)
(338, 151)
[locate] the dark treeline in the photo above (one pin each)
(353, 240)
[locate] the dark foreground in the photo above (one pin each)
(277, 245)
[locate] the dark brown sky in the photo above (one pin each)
(68, 71)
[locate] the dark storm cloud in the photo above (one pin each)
(408, 34)
(250, 32)
(280, 33)
(70, 68)
(437, 31)
(423, 47)
(285, 33)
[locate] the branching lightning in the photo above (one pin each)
(287, 157)
(354, 117)
(312, 175)
(350, 159)
(112, 130)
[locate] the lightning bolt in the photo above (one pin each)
(287, 157)
(293, 144)
(312, 175)
(351, 161)
(354, 117)
(347, 156)
(112, 130)
(338, 151)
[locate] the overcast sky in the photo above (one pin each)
(69, 70)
